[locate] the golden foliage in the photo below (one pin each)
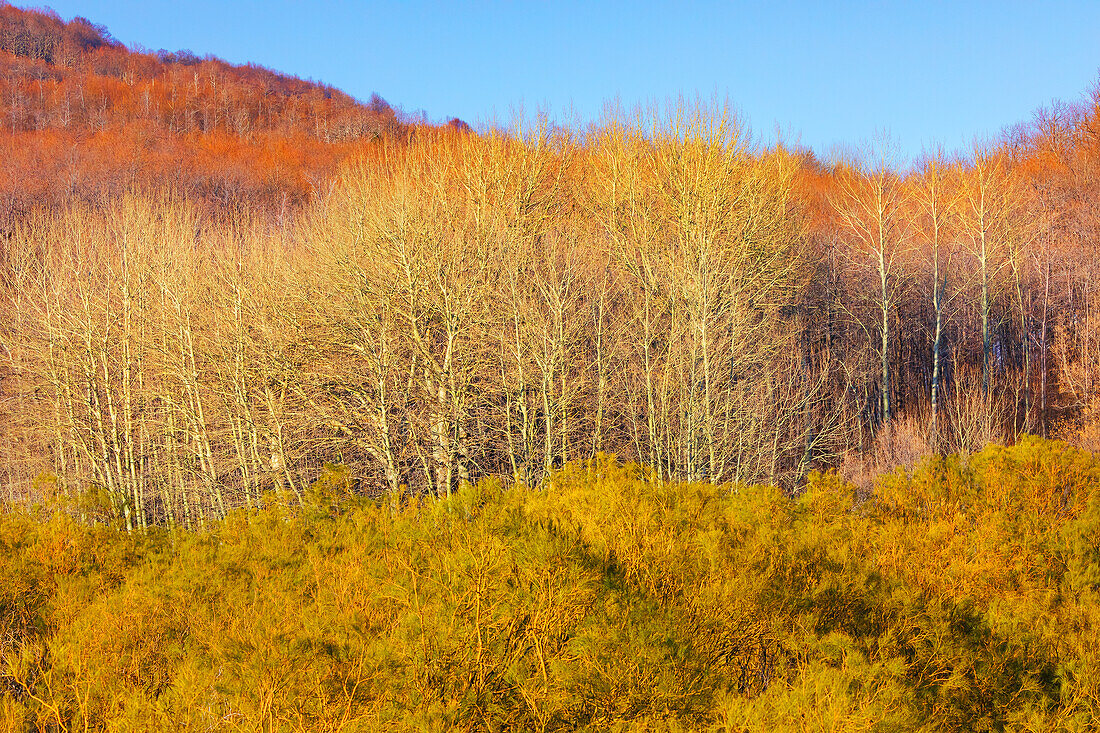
(607, 599)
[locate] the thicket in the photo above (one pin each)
(216, 279)
(964, 595)
(461, 306)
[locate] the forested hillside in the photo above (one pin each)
(87, 119)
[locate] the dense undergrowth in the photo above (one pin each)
(964, 595)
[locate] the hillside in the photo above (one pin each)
(85, 118)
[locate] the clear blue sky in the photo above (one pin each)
(825, 73)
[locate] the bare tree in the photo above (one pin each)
(869, 203)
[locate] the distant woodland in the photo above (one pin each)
(86, 119)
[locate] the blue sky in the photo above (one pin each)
(826, 74)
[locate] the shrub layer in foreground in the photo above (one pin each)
(962, 597)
